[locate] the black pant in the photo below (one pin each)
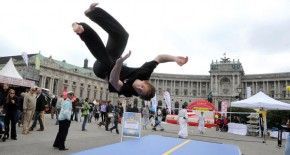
(37, 117)
(115, 127)
(103, 116)
(10, 117)
(108, 121)
(62, 133)
(105, 55)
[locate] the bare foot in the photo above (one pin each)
(92, 7)
(77, 28)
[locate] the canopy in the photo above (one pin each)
(201, 105)
(9, 75)
(9, 70)
(261, 100)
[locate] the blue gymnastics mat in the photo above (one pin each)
(160, 145)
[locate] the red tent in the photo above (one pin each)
(201, 105)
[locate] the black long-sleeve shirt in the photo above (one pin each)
(10, 107)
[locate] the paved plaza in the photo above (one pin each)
(40, 143)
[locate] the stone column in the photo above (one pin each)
(43, 81)
(287, 93)
(279, 89)
(233, 88)
(216, 84)
(257, 89)
(267, 86)
(51, 84)
(275, 89)
(211, 83)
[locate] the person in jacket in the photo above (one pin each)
(145, 116)
(64, 122)
(201, 123)
(109, 115)
(158, 119)
(3, 94)
(116, 115)
(53, 107)
(10, 108)
(183, 119)
(39, 110)
(29, 104)
(85, 113)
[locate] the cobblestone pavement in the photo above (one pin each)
(40, 142)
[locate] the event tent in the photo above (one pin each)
(9, 75)
(261, 100)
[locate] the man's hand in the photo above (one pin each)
(181, 60)
(122, 59)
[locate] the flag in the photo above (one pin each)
(167, 99)
(25, 58)
(37, 61)
(154, 103)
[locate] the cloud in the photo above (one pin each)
(252, 31)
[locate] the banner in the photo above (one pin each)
(167, 99)
(154, 104)
(25, 58)
(225, 105)
(37, 62)
(131, 125)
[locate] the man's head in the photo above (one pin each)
(5, 86)
(33, 89)
(70, 95)
(145, 90)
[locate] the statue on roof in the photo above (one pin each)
(225, 59)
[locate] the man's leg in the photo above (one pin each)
(94, 44)
(40, 121)
(118, 36)
(35, 118)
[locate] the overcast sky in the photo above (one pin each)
(257, 32)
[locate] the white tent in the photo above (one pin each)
(261, 100)
(9, 70)
(9, 75)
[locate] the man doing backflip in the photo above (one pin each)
(109, 64)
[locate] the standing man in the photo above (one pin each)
(29, 104)
(201, 123)
(39, 110)
(183, 119)
(85, 113)
(64, 122)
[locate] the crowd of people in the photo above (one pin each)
(21, 107)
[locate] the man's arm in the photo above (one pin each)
(169, 58)
(115, 73)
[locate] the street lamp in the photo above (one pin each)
(239, 90)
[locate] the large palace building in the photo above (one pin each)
(226, 81)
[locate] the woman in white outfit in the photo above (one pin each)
(182, 118)
(201, 123)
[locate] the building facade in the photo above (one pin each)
(226, 81)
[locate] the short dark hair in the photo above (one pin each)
(150, 94)
(184, 105)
